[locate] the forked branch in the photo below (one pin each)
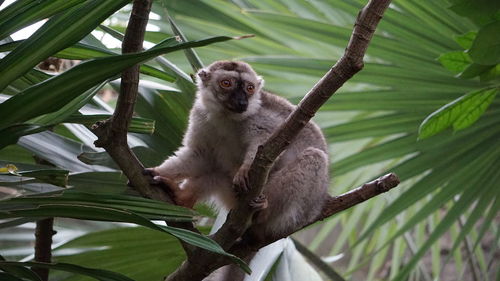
(200, 263)
(239, 218)
(350, 63)
(112, 133)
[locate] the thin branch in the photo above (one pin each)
(203, 262)
(368, 190)
(43, 246)
(112, 133)
(43, 237)
(337, 204)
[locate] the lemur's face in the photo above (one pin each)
(233, 85)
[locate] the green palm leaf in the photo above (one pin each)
(59, 32)
(42, 98)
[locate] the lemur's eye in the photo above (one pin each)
(225, 83)
(250, 88)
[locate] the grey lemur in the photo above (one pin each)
(230, 118)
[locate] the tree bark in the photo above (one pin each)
(112, 133)
(43, 246)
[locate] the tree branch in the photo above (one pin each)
(112, 133)
(239, 219)
(368, 190)
(43, 246)
(203, 262)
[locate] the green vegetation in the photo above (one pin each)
(425, 106)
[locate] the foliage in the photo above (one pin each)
(428, 69)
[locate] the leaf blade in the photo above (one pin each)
(99, 274)
(455, 62)
(486, 47)
(54, 93)
(459, 113)
(57, 33)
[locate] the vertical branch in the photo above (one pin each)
(43, 245)
(132, 43)
(112, 133)
(43, 232)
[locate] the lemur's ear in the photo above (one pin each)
(261, 81)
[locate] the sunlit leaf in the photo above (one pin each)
(455, 62)
(460, 113)
(465, 40)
